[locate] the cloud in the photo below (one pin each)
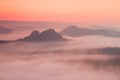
(4, 30)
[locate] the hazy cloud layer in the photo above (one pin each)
(4, 30)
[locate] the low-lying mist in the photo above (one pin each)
(83, 58)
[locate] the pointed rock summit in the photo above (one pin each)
(34, 36)
(50, 35)
(47, 35)
(35, 33)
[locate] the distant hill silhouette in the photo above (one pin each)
(4, 30)
(74, 31)
(47, 35)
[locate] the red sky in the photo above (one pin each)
(61, 10)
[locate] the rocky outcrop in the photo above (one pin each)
(47, 35)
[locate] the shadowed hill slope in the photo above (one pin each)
(74, 31)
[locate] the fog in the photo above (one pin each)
(20, 29)
(78, 59)
(81, 58)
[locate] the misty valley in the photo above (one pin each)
(34, 61)
(59, 39)
(70, 54)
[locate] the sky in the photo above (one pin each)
(86, 11)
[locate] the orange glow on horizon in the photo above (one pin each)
(60, 10)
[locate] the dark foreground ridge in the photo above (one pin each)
(74, 31)
(5, 41)
(47, 35)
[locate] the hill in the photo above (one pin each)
(47, 35)
(74, 31)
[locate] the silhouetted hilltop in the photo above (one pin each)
(74, 31)
(35, 33)
(34, 36)
(48, 35)
(4, 30)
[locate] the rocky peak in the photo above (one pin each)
(35, 33)
(47, 35)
